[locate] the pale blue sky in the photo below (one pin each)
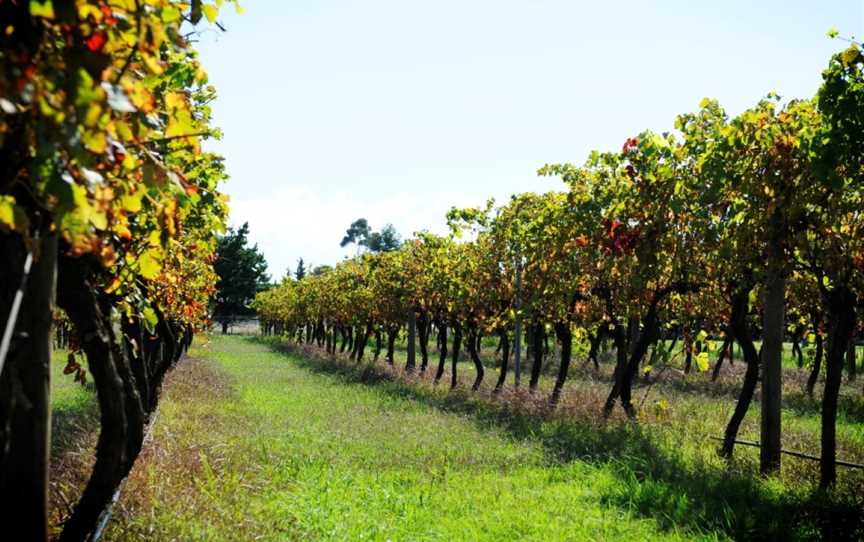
(396, 110)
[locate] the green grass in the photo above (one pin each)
(74, 428)
(253, 444)
(667, 464)
(701, 408)
(256, 443)
(66, 394)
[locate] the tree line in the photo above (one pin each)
(744, 229)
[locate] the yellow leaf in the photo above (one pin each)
(43, 8)
(95, 141)
(132, 202)
(98, 219)
(210, 11)
(702, 361)
(124, 132)
(7, 212)
(175, 100)
(139, 95)
(94, 111)
(149, 264)
(89, 10)
(114, 285)
(153, 65)
(179, 124)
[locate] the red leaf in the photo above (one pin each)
(97, 41)
(110, 20)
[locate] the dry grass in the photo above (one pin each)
(76, 432)
(197, 382)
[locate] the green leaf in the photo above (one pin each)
(44, 9)
(751, 298)
(833, 32)
(150, 317)
(850, 56)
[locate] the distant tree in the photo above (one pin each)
(320, 270)
(242, 272)
(358, 232)
(288, 272)
(386, 240)
(301, 269)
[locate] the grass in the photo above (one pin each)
(704, 407)
(668, 462)
(259, 440)
(253, 445)
(74, 428)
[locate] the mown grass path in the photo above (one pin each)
(250, 445)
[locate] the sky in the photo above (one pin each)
(397, 110)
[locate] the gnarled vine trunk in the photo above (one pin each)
(817, 358)
(475, 357)
(25, 409)
(457, 344)
(565, 337)
(391, 342)
(537, 333)
(442, 350)
(423, 330)
(505, 360)
(841, 324)
(738, 327)
(121, 413)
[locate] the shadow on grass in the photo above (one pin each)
(656, 480)
(851, 405)
(71, 420)
(74, 429)
(695, 384)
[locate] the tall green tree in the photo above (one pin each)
(242, 272)
(301, 269)
(358, 232)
